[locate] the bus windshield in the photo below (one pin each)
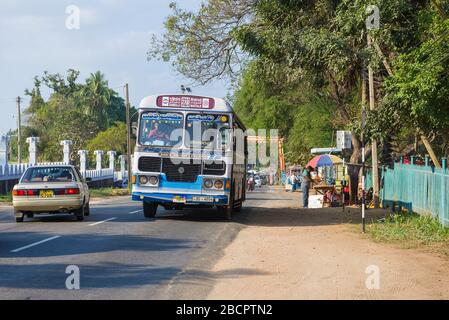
(207, 130)
(161, 128)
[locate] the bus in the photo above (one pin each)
(188, 155)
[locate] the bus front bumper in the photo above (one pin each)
(182, 199)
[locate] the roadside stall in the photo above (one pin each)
(329, 171)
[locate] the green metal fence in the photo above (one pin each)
(421, 189)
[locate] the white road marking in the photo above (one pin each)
(136, 211)
(100, 222)
(35, 244)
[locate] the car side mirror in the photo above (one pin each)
(134, 128)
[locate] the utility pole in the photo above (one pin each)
(128, 135)
(372, 104)
(19, 133)
(362, 140)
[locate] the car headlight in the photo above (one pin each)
(143, 179)
(219, 184)
(154, 180)
(208, 183)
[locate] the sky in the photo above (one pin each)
(113, 37)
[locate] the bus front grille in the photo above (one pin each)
(180, 172)
(214, 168)
(149, 164)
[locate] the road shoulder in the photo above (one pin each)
(292, 253)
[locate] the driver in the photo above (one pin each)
(157, 133)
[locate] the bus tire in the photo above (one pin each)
(238, 207)
(149, 209)
(226, 212)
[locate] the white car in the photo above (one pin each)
(51, 189)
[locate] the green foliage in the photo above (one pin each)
(322, 45)
(109, 192)
(409, 230)
(74, 111)
(303, 119)
(419, 89)
(113, 138)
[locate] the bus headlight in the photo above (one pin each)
(218, 184)
(208, 183)
(154, 180)
(143, 179)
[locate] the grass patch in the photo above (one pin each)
(411, 231)
(6, 198)
(109, 192)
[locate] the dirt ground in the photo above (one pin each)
(294, 253)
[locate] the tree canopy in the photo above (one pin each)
(320, 48)
(90, 114)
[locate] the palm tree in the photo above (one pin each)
(95, 98)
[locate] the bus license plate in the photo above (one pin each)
(47, 194)
(202, 199)
(179, 199)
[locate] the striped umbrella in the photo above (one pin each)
(325, 160)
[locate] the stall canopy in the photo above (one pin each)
(325, 160)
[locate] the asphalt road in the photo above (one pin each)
(120, 254)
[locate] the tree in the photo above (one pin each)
(202, 46)
(113, 138)
(75, 111)
(303, 118)
(317, 44)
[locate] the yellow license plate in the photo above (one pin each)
(47, 194)
(178, 199)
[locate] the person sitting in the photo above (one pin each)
(157, 133)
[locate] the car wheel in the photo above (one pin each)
(149, 209)
(87, 210)
(19, 216)
(80, 214)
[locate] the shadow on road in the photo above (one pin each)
(296, 217)
(107, 275)
(77, 244)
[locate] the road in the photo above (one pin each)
(120, 254)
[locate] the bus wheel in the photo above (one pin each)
(238, 207)
(149, 209)
(225, 212)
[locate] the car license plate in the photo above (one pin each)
(179, 199)
(47, 194)
(202, 199)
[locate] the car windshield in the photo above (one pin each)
(48, 174)
(207, 130)
(161, 129)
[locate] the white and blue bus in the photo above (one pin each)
(188, 155)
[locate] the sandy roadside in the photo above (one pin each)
(291, 253)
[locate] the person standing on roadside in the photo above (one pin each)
(305, 185)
